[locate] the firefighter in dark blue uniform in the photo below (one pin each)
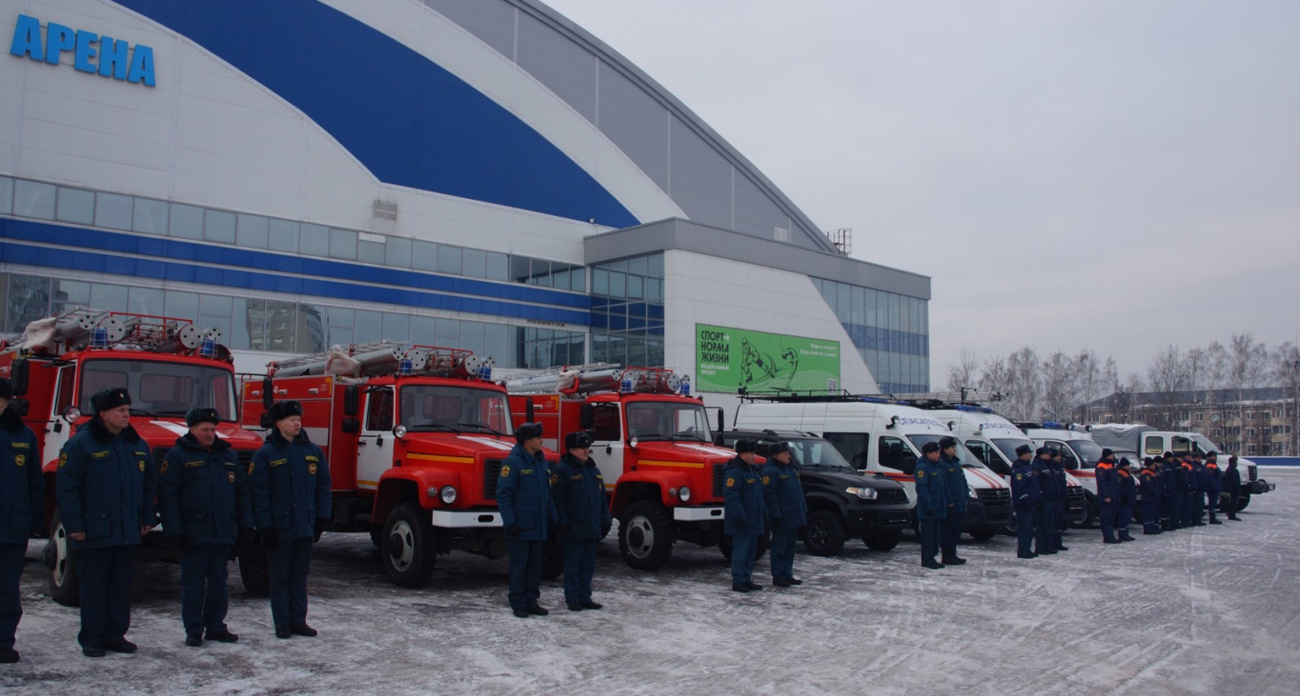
(1107, 496)
(786, 508)
(1169, 493)
(745, 514)
(1062, 489)
(1127, 498)
(290, 484)
(954, 477)
(527, 512)
(1042, 465)
(1213, 486)
(105, 493)
(1149, 479)
(931, 503)
(1232, 486)
(582, 517)
(204, 502)
(1186, 485)
(22, 494)
(1200, 485)
(1026, 497)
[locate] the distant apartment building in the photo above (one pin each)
(1257, 422)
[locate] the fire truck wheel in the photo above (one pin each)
(409, 549)
(377, 536)
(254, 569)
(724, 545)
(983, 534)
(61, 560)
(884, 541)
(825, 533)
(645, 535)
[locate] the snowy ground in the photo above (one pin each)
(1206, 611)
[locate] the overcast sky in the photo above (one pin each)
(1117, 175)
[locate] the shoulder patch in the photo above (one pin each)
(311, 466)
(141, 465)
(63, 459)
(731, 482)
(765, 480)
(920, 474)
(163, 469)
(1019, 476)
(556, 479)
(505, 471)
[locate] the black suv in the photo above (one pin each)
(841, 501)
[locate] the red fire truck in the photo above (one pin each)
(415, 437)
(168, 366)
(652, 443)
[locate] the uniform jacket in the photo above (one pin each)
(1149, 481)
(22, 487)
(1058, 473)
(1025, 489)
(1127, 487)
(1183, 473)
(203, 495)
(1200, 481)
(1046, 479)
(931, 492)
(954, 477)
(581, 504)
(290, 486)
(1232, 479)
(524, 495)
(1213, 479)
(783, 496)
(105, 486)
(742, 495)
(1168, 480)
(1107, 482)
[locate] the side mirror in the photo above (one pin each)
(268, 395)
(351, 400)
(351, 426)
(585, 418)
(21, 407)
(265, 421)
(18, 373)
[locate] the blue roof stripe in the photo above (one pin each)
(408, 120)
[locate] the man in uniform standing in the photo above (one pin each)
(22, 493)
(1025, 496)
(745, 514)
(786, 508)
(954, 477)
(582, 517)
(105, 492)
(1062, 489)
(1107, 496)
(931, 503)
(1150, 486)
(527, 512)
(290, 485)
(204, 502)
(1213, 486)
(1046, 478)
(1232, 486)
(1127, 498)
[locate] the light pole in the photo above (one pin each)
(1295, 409)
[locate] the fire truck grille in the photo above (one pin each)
(491, 472)
(892, 495)
(717, 480)
(245, 457)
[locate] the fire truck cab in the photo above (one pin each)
(654, 447)
(167, 365)
(415, 438)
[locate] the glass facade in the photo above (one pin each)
(890, 331)
(627, 311)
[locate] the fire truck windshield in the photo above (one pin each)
(667, 420)
(427, 407)
(160, 388)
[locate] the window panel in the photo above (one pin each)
(474, 263)
(150, 216)
(76, 205)
(578, 279)
(252, 231)
(182, 305)
(311, 329)
(498, 266)
(397, 327)
(471, 336)
(343, 244)
(449, 258)
(639, 265)
(369, 326)
(186, 221)
(282, 235)
(108, 296)
(113, 211)
(371, 252)
(447, 333)
(397, 252)
(33, 199)
(145, 301)
(424, 256)
(6, 195)
(68, 294)
(314, 240)
(520, 268)
(423, 330)
(219, 226)
(617, 284)
(339, 323)
(656, 263)
(496, 344)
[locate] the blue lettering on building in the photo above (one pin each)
(91, 53)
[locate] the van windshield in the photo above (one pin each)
(1088, 452)
(818, 453)
(1007, 446)
(965, 456)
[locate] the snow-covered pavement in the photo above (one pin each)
(1212, 610)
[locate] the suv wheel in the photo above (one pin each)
(825, 533)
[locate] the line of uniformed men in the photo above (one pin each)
(1038, 491)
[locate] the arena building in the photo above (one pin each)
(470, 173)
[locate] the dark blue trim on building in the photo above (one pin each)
(408, 120)
(28, 244)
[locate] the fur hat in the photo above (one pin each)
(283, 409)
(110, 398)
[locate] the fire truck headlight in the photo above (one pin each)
(684, 493)
(863, 493)
(71, 414)
(448, 494)
(399, 431)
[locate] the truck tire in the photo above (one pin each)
(61, 560)
(377, 536)
(884, 541)
(1242, 501)
(1089, 510)
(409, 550)
(645, 535)
(983, 534)
(825, 533)
(724, 545)
(254, 569)
(552, 558)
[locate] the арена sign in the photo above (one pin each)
(91, 52)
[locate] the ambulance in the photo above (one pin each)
(881, 436)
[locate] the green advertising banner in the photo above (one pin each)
(726, 359)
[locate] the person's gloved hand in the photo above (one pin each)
(270, 538)
(776, 522)
(512, 530)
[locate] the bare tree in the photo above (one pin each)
(962, 373)
(1286, 373)
(1091, 381)
(993, 377)
(1058, 386)
(1170, 379)
(1023, 383)
(1247, 368)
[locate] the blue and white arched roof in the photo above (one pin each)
(504, 102)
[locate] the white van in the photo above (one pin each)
(1079, 454)
(994, 440)
(883, 438)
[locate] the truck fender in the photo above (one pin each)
(633, 485)
(406, 483)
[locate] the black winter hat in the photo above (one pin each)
(577, 439)
(283, 409)
(1107, 453)
(6, 388)
(1123, 461)
(744, 445)
(110, 398)
(947, 441)
(1041, 451)
(527, 431)
(778, 447)
(929, 447)
(198, 415)
(1023, 450)
(1213, 456)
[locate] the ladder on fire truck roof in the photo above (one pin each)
(83, 327)
(592, 378)
(384, 357)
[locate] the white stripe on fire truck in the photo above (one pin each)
(176, 428)
(490, 442)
